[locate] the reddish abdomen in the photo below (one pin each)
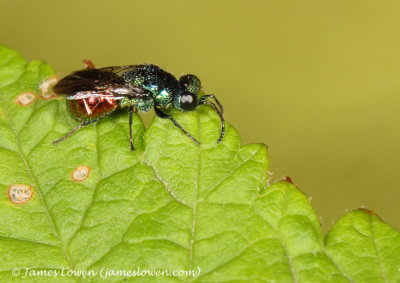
(91, 108)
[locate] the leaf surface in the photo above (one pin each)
(171, 205)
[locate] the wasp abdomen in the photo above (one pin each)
(92, 107)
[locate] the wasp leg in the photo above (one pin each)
(163, 115)
(221, 135)
(88, 64)
(131, 110)
(211, 96)
(84, 124)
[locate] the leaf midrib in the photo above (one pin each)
(195, 200)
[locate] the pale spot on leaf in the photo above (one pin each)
(20, 193)
(25, 99)
(44, 87)
(80, 173)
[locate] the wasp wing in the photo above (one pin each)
(118, 70)
(90, 80)
(94, 94)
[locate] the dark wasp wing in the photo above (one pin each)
(91, 80)
(118, 70)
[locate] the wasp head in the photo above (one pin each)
(186, 99)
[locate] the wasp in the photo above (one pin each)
(95, 93)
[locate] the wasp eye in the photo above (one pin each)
(188, 101)
(191, 83)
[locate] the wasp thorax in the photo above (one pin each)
(144, 104)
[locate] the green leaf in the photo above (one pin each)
(365, 248)
(169, 206)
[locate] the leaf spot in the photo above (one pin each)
(25, 98)
(45, 86)
(80, 173)
(20, 193)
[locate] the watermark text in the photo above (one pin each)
(103, 273)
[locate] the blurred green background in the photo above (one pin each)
(318, 81)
